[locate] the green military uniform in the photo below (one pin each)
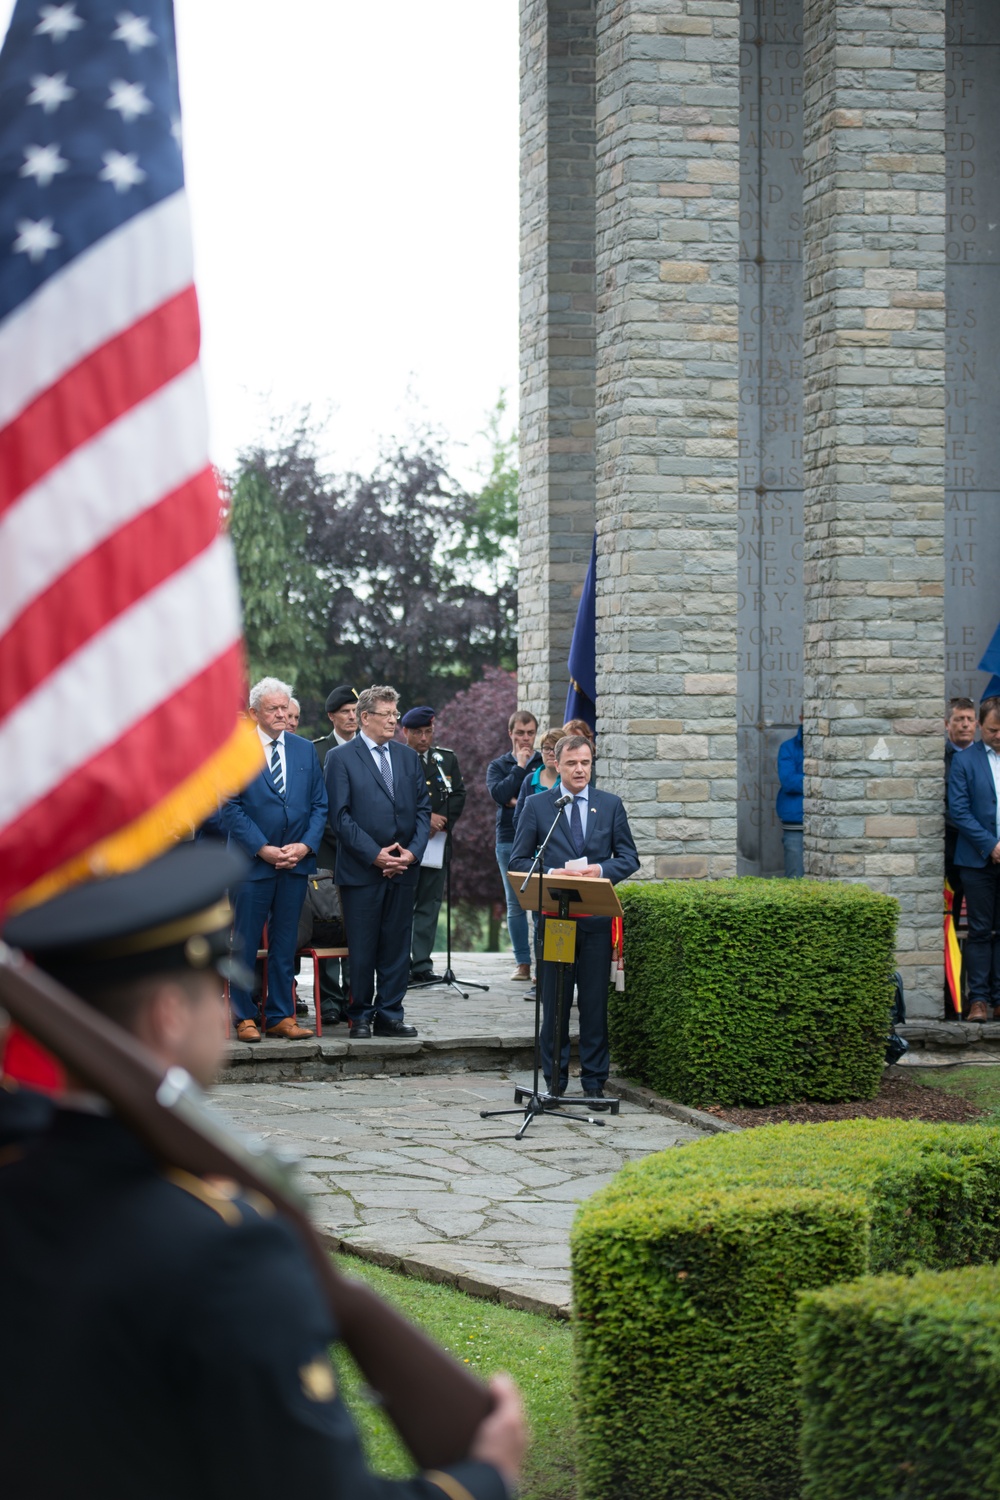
(430, 883)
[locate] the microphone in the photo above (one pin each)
(438, 760)
(564, 800)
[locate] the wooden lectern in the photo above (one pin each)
(564, 897)
(560, 899)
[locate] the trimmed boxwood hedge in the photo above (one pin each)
(686, 1274)
(754, 991)
(900, 1388)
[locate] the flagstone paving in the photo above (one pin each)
(404, 1171)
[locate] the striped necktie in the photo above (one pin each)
(385, 767)
(276, 776)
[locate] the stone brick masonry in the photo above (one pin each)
(874, 456)
(631, 136)
(667, 205)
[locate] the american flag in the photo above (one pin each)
(120, 656)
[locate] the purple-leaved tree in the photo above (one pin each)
(474, 725)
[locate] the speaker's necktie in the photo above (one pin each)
(385, 766)
(276, 776)
(576, 827)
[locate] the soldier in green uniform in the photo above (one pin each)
(441, 769)
(164, 1334)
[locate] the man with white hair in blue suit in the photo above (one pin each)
(593, 828)
(278, 820)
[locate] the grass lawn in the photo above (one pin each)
(980, 1083)
(535, 1351)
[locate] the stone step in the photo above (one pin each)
(332, 1058)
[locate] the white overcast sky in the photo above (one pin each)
(352, 170)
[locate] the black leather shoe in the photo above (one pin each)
(593, 1093)
(394, 1028)
(332, 1016)
(360, 1032)
(426, 976)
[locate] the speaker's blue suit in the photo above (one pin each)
(972, 806)
(261, 815)
(378, 910)
(609, 843)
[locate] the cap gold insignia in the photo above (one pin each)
(317, 1380)
(198, 951)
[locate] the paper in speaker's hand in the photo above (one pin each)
(577, 864)
(434, 853)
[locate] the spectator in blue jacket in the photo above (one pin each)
(503, 782)
(791, 761)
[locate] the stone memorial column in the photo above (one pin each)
(556, 496)
(873, 459)
(667, 226)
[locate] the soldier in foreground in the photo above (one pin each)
(164, 1335)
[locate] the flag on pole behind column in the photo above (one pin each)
(581, 699)
(121, 669)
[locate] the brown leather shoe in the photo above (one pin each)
(523, 971)
(246, 1031)
(978, 1011)
(289, 1029)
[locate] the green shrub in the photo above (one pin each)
(686, 1271)
(754, 991)
(901, 1388)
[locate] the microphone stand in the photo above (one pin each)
(539, 1102)
(448, 979)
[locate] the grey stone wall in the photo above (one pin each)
(667, 223)
(794, 386)
(557, 341)
(874, 451)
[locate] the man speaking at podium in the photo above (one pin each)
(591, 839)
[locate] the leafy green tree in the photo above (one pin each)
(396, 576)
(486, 546)
(279, 589)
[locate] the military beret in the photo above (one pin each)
(172, 914)
(340, 698)
(418, 718)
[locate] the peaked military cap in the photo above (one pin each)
(418, 718)
(171, 914)
(341, 697)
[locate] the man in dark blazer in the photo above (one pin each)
(335, 973)
(973, 802)
(380, 814)
(278, 820)
(592, 828)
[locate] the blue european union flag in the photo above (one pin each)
(581, 700)
(991, 663)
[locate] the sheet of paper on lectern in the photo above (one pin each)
(434, 853)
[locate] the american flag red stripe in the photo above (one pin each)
(104, 582)
(96, 392)
(121, 671)
(105, 794)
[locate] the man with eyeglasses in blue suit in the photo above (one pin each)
(380, 815)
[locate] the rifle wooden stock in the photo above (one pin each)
(434, 1403)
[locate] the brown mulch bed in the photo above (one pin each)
(899, 1098)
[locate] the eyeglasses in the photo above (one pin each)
(388, 715)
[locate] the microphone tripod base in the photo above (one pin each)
(449, 981)
(541, 1102)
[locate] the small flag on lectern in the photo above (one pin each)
(121, 673)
